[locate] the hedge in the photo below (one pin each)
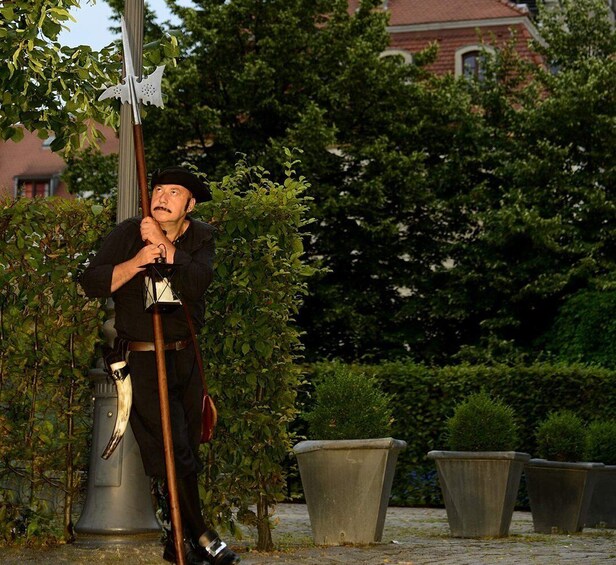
(49, 334)
(424, 397)
(250, 343)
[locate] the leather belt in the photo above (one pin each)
(149, 345)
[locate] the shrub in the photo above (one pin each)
(349, 405)
(481, 423)
(561, 437)
(423, 397)
(601, 442)
(49, 332)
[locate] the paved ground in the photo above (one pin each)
(412, 536)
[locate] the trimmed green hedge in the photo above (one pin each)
(424, 397)
(49, 333)
(250, 342)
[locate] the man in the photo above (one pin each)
(117, 271)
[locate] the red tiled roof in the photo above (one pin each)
(409, 12)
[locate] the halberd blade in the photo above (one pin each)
(132, 91)
(118, 91)
(149, 89)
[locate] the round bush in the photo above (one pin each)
(601, 442)
(481, 423)
(348, 405)
(561, 437)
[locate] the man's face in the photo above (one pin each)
(171, 203)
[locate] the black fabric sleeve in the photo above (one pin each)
(195, 268)
(96, 279)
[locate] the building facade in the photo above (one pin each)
(462, 30)
(29, 168)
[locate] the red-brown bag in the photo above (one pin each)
(209, 418)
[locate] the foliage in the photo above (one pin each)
(244, 84)
(47, 87)
(250, 343)
(481, 423)
(576, 31)
(539, 224)
(562, 437)
(601, 442)
(455, 217)
(90, 174)
(348, 405)
(584, 329)
(49, 332)
(49, 335)
(53, 89)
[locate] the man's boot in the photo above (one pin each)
(192, 554)
(216, 551)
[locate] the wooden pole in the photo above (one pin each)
(161, 368)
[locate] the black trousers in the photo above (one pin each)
(185, 398)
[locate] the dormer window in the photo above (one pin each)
(470, 61)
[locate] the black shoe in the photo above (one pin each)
(193, 555)
(217, 553)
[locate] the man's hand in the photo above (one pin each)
(152, 232)
(147, 254)
(124, 272)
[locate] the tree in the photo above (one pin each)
(90, 174)
(450, 214)
(257, 76)
(544, 219)
(47, 87)
(53, 89)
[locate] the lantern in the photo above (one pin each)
(157, 289)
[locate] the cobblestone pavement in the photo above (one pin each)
(412, 536)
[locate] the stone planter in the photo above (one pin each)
(347, 484)
(560, 494)
(479, 489)
(602, 511)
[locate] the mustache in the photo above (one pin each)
(162, 208)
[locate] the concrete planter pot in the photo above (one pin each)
(347, 484)
(479, 489)
(602, 511)
(560, 494)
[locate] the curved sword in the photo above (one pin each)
(121, 378)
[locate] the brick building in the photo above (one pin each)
(30, 168)
(457, 27)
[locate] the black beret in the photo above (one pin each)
(183, 177)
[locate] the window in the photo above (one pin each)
(471, 65)
(469, 61)
(32, 188)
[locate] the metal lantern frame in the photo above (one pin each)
(157, 288)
